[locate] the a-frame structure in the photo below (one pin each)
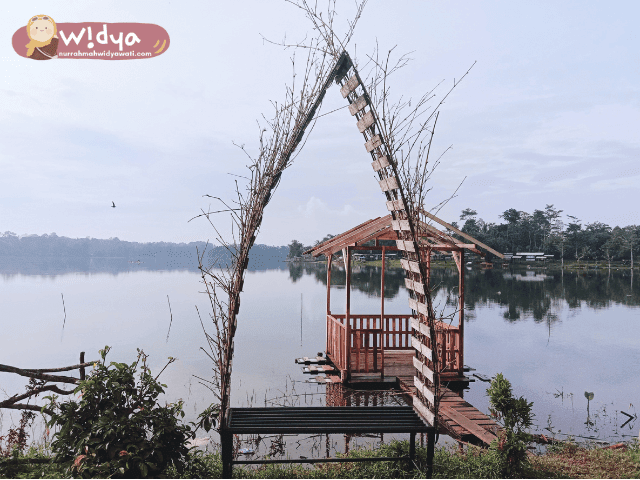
(424, 328)
(428, 369)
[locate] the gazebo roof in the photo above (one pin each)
(380, 228)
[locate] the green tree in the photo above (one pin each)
(467, 213)
(470, 225)
(512, 217)
(540, 225)
(326, 237)
(596, 234)
(628, 238)
(516, 417)
(295, 249)
(117, 428)
(609, 248)
(552, 216)
(574, 233)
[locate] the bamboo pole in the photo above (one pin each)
(382, 329)
(347, 264)
(461, 313)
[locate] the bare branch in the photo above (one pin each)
(40, 376)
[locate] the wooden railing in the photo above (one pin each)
(337, 340)
(397, 332)
(365, 353)
(369, 338)
(448, 340)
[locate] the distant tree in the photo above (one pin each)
(326, 237)
(609, 248)
(584, 252)
(559, 239)
(467, 213)
(574, 232)
(540, 226)
(295, 249)
(512, 217)
(470, 225)
(552, 215)
(596, 234)
(628, 238)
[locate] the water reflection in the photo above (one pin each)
(54, 266)
(364, 278)
(524, 294)
(594, 313)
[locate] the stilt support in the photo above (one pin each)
(226, 444)
(431, 445)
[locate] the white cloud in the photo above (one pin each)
(314, 207)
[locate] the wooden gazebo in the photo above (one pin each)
(380, 344)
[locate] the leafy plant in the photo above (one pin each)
(516, 417)
(117, 427)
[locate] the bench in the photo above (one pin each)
(322, 420)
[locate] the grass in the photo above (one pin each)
(565, 461)
(572, 461)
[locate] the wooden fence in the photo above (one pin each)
(370, 337)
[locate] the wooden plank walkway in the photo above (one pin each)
(458, 418)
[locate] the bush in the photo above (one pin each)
(516, 417)
(117, 428)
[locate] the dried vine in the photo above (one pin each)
(281, 139)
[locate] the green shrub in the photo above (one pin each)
(516, 417)
(117, 428)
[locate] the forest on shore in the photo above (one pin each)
(544, 231)
(547, 231)
(13, 246)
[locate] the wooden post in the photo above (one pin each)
(82, 371)
(329, 347)
(329, 258)
(427, 280)
(347, 264)
(382, 317)
(461, 314)
(412, 446)
(226, 446)
(431, 444)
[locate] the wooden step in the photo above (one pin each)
(312, 360)
(324, 379)
(313, 369)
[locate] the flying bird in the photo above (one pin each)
(113, 205)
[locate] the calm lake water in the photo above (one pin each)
(555, 335)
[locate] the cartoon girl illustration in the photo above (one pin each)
(43, 33)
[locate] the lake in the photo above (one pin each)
(555, 335)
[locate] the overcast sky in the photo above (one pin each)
(549, 114)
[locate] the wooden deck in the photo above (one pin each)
(457, 418)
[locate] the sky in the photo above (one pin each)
(549, 114)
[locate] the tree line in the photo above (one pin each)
(547, 231)
(54, 246)
(567, 238)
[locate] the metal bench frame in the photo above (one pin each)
(323, 420)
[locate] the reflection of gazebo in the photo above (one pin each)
(380, 344)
